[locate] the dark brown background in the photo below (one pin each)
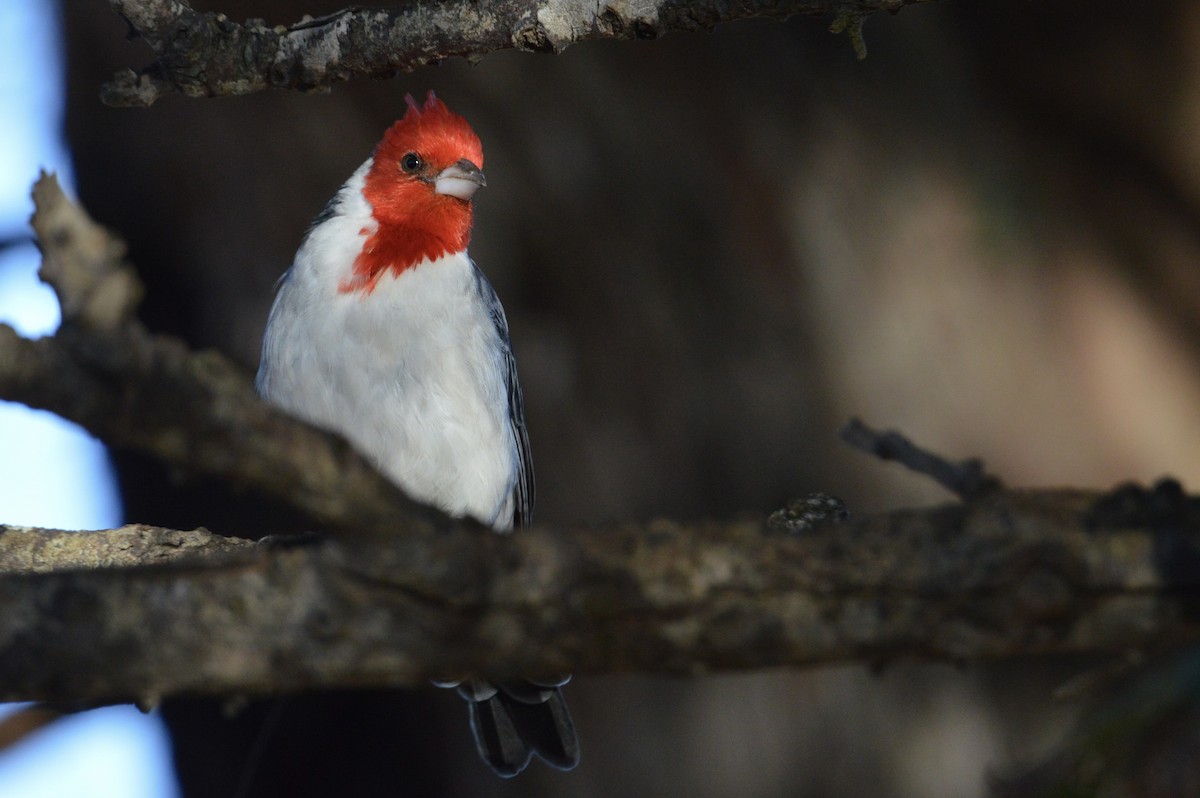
(713, 249)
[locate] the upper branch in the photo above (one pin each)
(205, 54)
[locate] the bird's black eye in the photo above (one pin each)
(411, 163)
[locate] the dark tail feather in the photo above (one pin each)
(497, 738)
(548, 729)
(515, 720)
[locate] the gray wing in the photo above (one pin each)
(523, 490)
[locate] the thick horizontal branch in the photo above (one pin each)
(35, 550)
(1015, 574)
(204, 54)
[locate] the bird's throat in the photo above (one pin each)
(391, 250)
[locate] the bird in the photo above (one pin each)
(386, 332)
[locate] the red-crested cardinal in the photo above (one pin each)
(385, 331)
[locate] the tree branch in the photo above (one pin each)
(967, 480)
(29, 550)
(1016, 574)
(204, 54)
(198, 412)
(193, 410)
(139, 612)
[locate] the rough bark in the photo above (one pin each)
(1016, 574)
(205, 54)
(29, 550)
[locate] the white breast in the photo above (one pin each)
(410, 374)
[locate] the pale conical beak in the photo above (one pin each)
(461, 179)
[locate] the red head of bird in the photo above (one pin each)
(424, 172)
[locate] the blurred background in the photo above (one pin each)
(713, 250)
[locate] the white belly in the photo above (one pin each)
(408, 374)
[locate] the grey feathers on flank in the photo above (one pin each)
(524, 488)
